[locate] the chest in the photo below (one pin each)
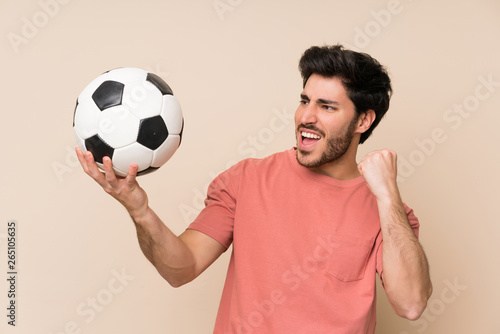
(294, 214)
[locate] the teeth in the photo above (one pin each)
(310, 135)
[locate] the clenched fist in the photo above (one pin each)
(379, 168)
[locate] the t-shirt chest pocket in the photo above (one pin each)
(349, 258)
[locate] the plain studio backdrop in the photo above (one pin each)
(233, 66)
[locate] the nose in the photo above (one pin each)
(306, 114)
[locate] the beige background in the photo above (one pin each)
(233, 66)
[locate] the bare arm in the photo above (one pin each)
(178, 259)
(406, 270)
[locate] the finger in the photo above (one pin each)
(93, 170)
(360, 168)
(81, 159)
(394, 156)
(132, 174)
(108, 170)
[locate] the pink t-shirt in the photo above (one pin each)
(306, 248)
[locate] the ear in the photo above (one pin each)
(365, 121)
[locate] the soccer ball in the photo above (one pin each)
(131, 116)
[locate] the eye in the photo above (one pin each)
(328, 108)
(304, 102)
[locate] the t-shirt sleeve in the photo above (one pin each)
(415, 225)
(217, 217)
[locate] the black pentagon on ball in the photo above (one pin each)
(99, 148)
(160, 84)
(152, 132)
(108, 94)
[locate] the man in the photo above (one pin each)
(310, 227)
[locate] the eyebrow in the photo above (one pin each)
(323, 101)
(320, 101)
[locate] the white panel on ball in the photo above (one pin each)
(172, 114)
(87, 120)
(142, 155)
(80, 142)
(142, 99)
(166, 150)
(118, 127)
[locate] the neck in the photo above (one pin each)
(344, 168)
(338, 170)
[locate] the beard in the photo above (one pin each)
(336, 146)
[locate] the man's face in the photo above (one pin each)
(325, 122)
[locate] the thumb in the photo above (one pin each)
(360, 168)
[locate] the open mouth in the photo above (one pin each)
(308, 138)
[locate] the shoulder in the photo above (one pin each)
(271, 161)
(252, 170)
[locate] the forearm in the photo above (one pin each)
(406, 270)
(173, 259)
(168, 253)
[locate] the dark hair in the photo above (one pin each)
(365, 79)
